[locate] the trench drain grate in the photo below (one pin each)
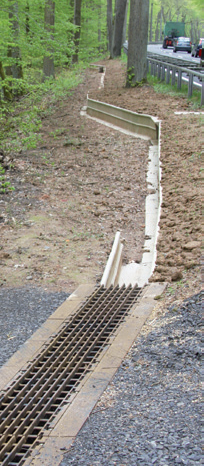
(32, 401)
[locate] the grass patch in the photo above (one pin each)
(5, 186)
(163, 88)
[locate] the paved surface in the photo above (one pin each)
(22, 312)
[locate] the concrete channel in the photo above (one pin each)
(65, 425)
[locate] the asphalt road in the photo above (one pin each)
(157, 48)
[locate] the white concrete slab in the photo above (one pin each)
(135, 273)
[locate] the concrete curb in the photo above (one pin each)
(141, 125)
(146, 127)
(113, 266)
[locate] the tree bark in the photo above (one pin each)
(157, 28)
(137, 42)
(150, 28)
(13, 51)
(118, 27)
(109, 24)
(125, 23)
(48, 61)
(160, 35)
(27, 21)
(77, 22)
(6, 91)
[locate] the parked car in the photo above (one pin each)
(201, 56)
(196, 47)
(182, 44)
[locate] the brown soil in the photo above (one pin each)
(87, 181)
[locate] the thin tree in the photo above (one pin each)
(15, 69)
(77, 23)
(49, 19)
(5, 88)
(137, 42)
(109, 24)
(150, 27)
(118, 27)
(125, 23)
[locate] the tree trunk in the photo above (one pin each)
(164, 15)
(150, 29)
(48, 61)
(99, 26)
(125, 23)
(13, 51)
(137, 42)
(6, 91)
(77, 22)
(109, 24)
(118, 27)
(160, 35)
(157, 28)
(27, 21)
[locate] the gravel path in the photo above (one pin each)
(22, 312)
(151, 412)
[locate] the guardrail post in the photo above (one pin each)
(168, 74)
(202, 92)
(173, 76)
(179, 79)
(163, 72)
(172, 72)
(158, 71)
(190, 85)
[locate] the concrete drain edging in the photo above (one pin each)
(71, 418)
(146, 127)
(113, 266)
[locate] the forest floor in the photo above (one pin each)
(85, 181)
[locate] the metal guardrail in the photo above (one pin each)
(170, 69)
(174, 61)
(172, 72)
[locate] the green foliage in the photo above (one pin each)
(130, 76)
(34, 41)
(130, 79)
(21, 121)
(4, 185)
(189, 11)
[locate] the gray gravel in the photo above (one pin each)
(151, 412)
(22, 312)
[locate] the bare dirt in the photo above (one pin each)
(86, 181)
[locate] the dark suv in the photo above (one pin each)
(182, 44)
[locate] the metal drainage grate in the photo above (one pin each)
(38, 393)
